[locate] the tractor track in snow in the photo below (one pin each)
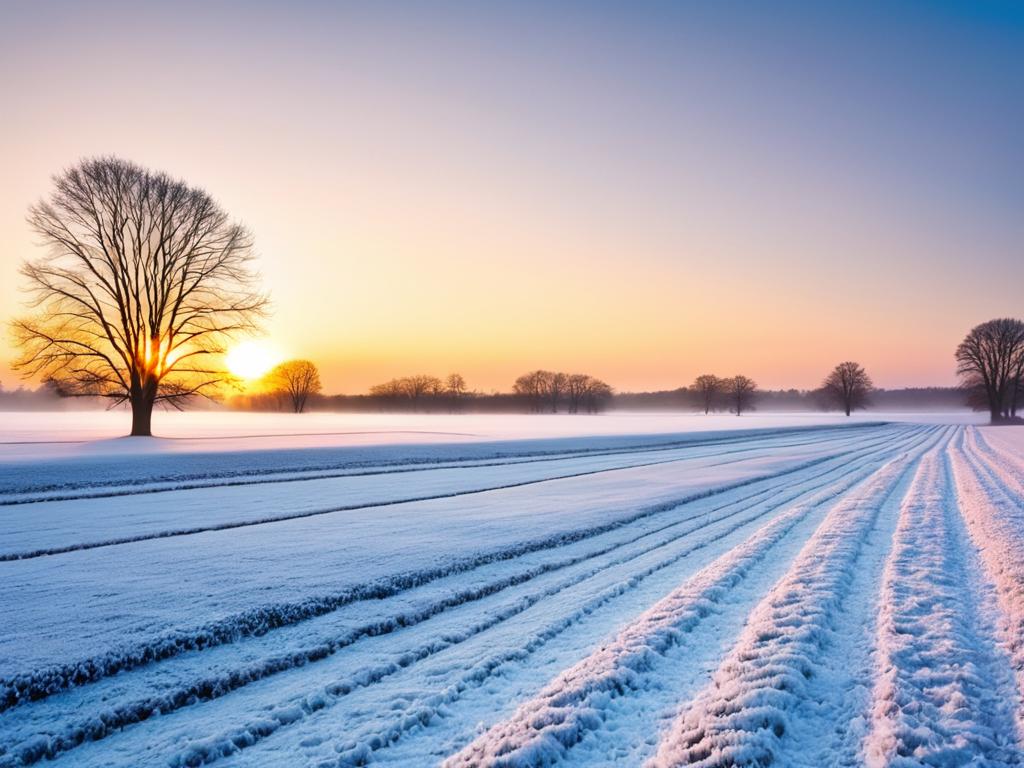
(97, 725)
(944, 691)
(262, 619)
(880, 576)
(766, 690)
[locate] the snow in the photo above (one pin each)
(789, 590)
(38, 436)
(940, 697)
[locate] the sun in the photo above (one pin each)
(251, 359)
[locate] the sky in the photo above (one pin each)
(639, 191)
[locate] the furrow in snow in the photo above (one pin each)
(937, 695)
(743, 715)
(426, 708)
(541, 729)
(357, 750)
(995, 520)
(117, 716)
(259, 620)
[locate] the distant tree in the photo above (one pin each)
(389, 391)
(990, 360)
(418, 388)
(708, 388)
(455, 385)
(586, 392)
(597, 395)
(848, 387)
(545, 390)
(740, 391)
(556, 388)
(534, 388)
(576, 387)
(145, 279)
(295, 380)
(1017, 391)
(455, 390)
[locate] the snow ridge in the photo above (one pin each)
(540, 731)
(743, 714)
(934, 696)
(117, 716)
(355, 753)
(40, 684)
(995, 520)
(360, 750)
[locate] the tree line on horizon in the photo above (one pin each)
(539, 391)
(545, 391)
(146, 280)
(847, 387)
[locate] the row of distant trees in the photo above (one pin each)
(990, 362)
(422, 392)
(847, 387)
(548, 390)
(735, 394)
(537, 392)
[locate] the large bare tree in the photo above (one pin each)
(296, 380)
(990, 360)
(144, 280)
(848, 386)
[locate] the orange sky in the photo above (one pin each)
(495, 193)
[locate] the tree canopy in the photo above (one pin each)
(144, 280)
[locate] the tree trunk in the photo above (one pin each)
(847, 409)
(142, 415)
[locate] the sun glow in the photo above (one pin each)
(252, 359)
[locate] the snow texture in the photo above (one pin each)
(514, 595)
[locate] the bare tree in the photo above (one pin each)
(144, 281)
(390, 390)
(534, 387)
(544, 390)
(848, 386)
(576, 387)
(419, 387)
(296, 380)
(741, 391)
(709, 388)
(598, 393)
(455, 385)
(556, 388)
(455, 390)
(991, 359)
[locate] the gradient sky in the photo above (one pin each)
(641, 191)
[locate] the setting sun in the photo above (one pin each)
(252, 359)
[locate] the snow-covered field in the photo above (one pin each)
(628, 590)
